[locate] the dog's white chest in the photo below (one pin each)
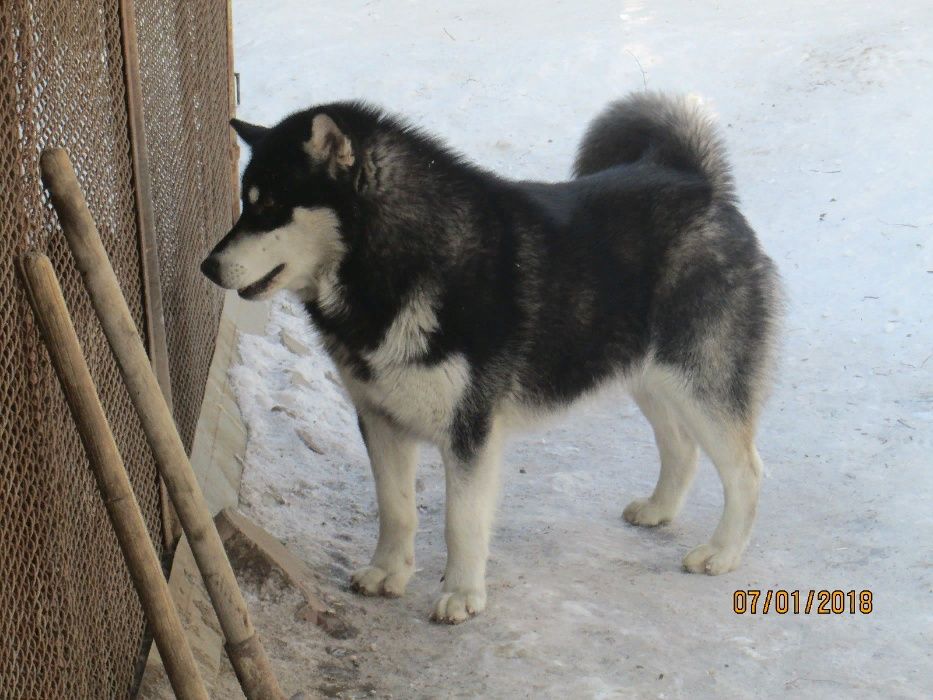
(423, 399)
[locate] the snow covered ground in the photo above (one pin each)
(827, 111)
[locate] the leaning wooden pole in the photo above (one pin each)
(243, 646)
(60, 338)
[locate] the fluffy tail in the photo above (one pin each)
(670, 131)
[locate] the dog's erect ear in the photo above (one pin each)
(328, 144)
(250, 133)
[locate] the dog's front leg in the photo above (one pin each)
(394, 458)
(472, 493)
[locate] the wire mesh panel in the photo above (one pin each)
(70, 621)
(183, 62)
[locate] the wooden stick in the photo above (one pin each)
(246, 652)
(60, 338)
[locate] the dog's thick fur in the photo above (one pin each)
(454, 303)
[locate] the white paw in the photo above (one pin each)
(712, 560)
(645, 512)
(456, 606)
(372, 580)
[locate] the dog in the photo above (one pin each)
(456, 304)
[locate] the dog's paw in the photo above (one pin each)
(372, 581)
(712, 560)
(454, 607)
(645, 512)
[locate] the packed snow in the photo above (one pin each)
(826, 110)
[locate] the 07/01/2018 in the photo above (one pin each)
(754, 601)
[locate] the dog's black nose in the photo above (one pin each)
(211, 269)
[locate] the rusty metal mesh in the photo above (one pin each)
(183, 62)
(70, 621)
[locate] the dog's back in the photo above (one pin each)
(648, 258)
(716, 300)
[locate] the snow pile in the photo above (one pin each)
(302, 428)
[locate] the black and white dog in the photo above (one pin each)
(456, 304)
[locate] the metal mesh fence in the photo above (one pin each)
(70, 621)
(183, 61)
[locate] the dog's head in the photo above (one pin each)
(288, 234)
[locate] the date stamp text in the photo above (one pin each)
(755, 601)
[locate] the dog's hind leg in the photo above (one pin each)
(678, 452)
(729, 442)
(394, 457)
(472, 494)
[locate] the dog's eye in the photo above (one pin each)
(265, 205)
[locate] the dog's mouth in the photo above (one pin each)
(262, 284)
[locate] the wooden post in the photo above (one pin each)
(60, 338)
(234, 144)
(145, 224)
(242, 643)
(142, 189)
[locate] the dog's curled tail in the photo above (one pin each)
(672, 131)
